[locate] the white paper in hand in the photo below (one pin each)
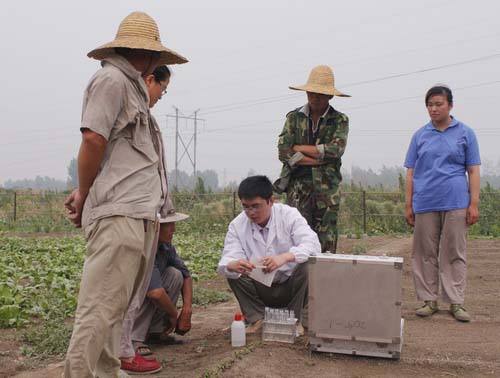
(258, 274)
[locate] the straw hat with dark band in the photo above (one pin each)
(321, 80)
(138, 31)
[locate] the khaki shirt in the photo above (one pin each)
(129, 181)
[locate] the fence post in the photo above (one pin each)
(364, 210)
(234, 204)
(15, 206)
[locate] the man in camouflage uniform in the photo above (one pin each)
(311, 146)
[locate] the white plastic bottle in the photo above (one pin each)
(238, 336)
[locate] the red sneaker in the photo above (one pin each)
(140, 365)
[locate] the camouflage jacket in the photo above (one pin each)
(331, 139)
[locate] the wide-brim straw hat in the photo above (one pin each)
(321, 80)
(138, 31)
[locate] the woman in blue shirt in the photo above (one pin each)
(442, 198)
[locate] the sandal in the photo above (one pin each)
(143, 350)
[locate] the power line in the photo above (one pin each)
(400, 99)
(267, 100)
(428, 69)
(426, 32)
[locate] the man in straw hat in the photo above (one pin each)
(311, 146)
(158, 315)
(121, 190)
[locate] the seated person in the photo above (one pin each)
(158, 316)
(276, 237)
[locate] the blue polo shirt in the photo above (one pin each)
(439, 160)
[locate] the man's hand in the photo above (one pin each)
(272, 263)
(170, 324)
(184, 321)
(472, 214)
(240, 266)
(74, 205)
(410, 216)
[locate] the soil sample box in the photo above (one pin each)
(355, 305)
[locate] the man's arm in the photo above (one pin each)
(161, 299)
(184, 321)
(287, 151)
(305, 243)
(89, 160)
(308, 150)
(474, 189)
(101, 106)
(309, 161)
(285, 140)
(335, 146)
(233, 262)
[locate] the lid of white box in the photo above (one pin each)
(358, 258)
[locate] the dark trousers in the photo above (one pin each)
(253, 296)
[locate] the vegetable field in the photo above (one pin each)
(39, 278)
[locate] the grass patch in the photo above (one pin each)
(205, 297)
(358, 249)
(226, 363)
(49, 338)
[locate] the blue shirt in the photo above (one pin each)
(166, 256)
(439, 160)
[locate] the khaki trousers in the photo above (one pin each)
(112, 273)
(439, 257)
(126, 346)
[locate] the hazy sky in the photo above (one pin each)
(243, 55)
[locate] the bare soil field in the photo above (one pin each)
(435, 347)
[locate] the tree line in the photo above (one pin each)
(207, 181)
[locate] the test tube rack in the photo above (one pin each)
(280, 324)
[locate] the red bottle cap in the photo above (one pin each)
(238, 316)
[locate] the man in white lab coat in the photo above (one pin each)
(265, 252)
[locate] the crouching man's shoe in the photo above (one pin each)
(429, 308)
(139, 365)
(459, 313)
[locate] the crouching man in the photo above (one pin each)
(158, 316)
(275, 238)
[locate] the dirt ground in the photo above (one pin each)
(437, 347)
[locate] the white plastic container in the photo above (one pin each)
(238, 335)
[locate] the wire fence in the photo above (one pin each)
(361, 212)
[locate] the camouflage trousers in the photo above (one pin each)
(320, 208)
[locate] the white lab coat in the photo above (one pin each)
(288, 232)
